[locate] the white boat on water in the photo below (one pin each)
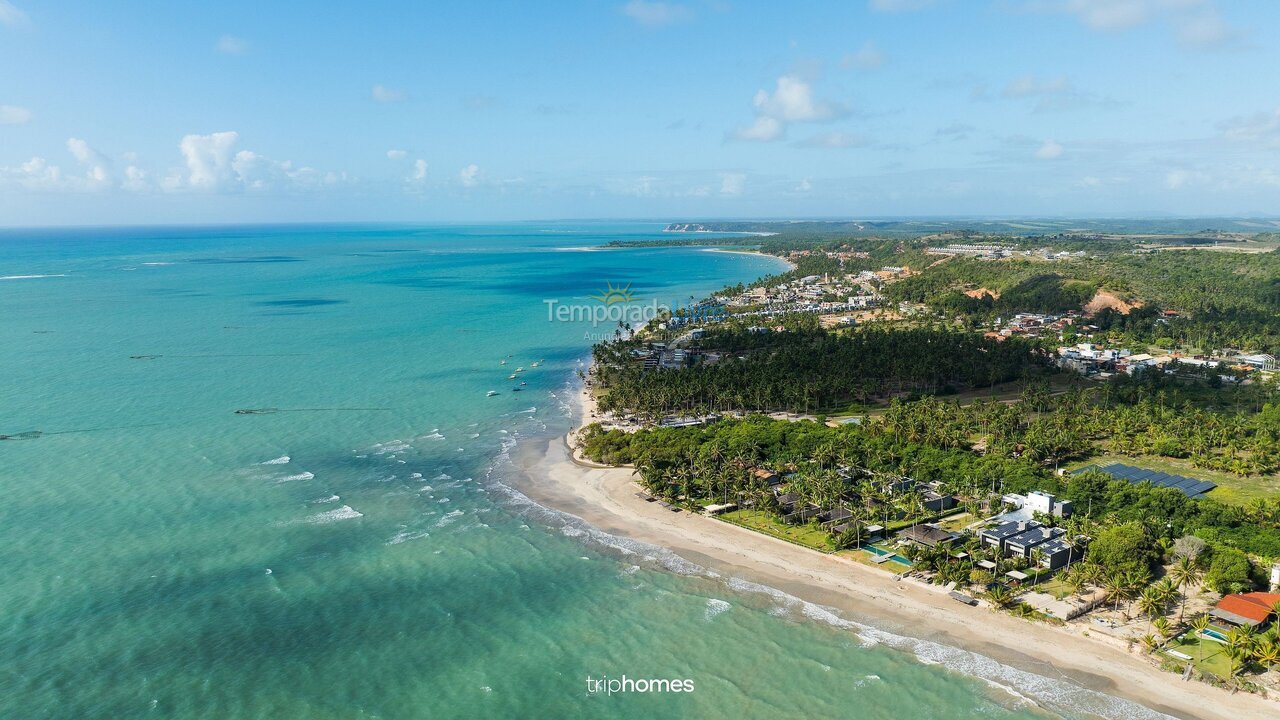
(491, 393)
(536, 364)
(519, 369)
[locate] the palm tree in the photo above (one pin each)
(999, 596)
(1200, 624)
(1185, 574)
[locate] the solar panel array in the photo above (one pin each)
(1191, 487)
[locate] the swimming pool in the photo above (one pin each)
(892, 556)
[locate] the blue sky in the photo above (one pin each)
(157, 112)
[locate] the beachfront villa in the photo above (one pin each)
(1030, 539)
(928, 535)
(1252, 609)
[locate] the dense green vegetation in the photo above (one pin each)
(810, 370)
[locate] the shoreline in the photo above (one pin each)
(604, 497)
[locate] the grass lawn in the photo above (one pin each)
(1207, 655)
(1231, 488)
(761, 521)
(1053, 586)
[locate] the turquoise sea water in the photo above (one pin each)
(351, 551)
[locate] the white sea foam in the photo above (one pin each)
(321, 501)
(293, 478)
(407, 535)
(392, 446)
(29, 277)
(434, 436)
(346, 512)
(282, 460)
(449, 517)
(442, 476)
(715, 607)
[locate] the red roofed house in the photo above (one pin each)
(1252, 609)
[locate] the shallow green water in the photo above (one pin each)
(352, 551)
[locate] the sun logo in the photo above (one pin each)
(613, 295)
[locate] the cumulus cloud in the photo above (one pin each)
(868, 57)
(135, 179)
(732, 183)
(419, 170)
(1050, 150)
(894, 6)
(396, 154)
(11, 15)
(383, 94)
(14, 115)
(208, 158)
(231, 45)
(656, 14)
(469, 176)
(95, 164)
(212, 166)
(791, 101)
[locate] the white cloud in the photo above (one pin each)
(396, 154)
(135, 179)
(868, 57)
(231, 45)
(469, 175)
(34, 174)
(804, 186)
(14, 115)
(95, 164)
(1050, 150)
(892, 6)
(383, 94)
(764, 128)
(208, 158)
(211, 166)
(655, 14)
(419, 170)
(732, 183)
(791, 101)
(11, 15)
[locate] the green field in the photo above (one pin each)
(763, 522)
(1208, 656)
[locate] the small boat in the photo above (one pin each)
(519, 369)
(536, 364)
(502, 362)
(491, 393)
(515, 389)
(511, 377)
(524, 383)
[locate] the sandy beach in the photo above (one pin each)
(605, 498)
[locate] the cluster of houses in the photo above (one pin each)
(1036, 325)
(1090, 360)
(812, 293)
(992, 251)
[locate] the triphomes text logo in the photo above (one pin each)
(605, 685)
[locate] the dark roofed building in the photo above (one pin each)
(928, 535)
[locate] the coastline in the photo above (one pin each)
(604, 497)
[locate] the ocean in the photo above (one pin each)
(255, 472)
